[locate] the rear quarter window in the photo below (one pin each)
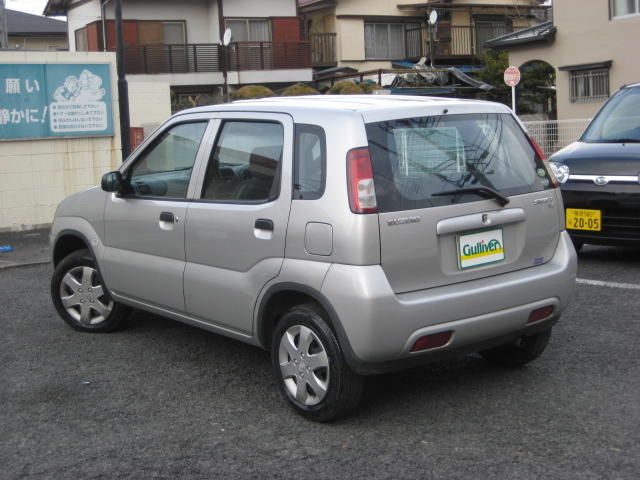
(415, 158)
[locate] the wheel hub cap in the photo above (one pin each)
(84, 297)
(304, 365)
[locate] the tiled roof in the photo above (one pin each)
(544, 32)
(20, 23)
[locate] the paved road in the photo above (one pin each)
(168, 401)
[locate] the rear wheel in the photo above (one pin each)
(520, 352)
(80, 297)
(310, 368)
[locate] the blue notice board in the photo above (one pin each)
(55, 100)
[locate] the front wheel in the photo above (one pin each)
(520, 352)
(80, 297)
(310, 368)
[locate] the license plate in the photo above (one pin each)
(581, 219)
(480, 248)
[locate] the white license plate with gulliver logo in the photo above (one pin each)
(480, 248)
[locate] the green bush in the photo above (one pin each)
(345, 88)
(252, 91)
(369, 87)
(299, 89)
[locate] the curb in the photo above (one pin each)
(24, 264)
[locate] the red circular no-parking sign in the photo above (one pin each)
(512, 76)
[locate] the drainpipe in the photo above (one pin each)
(123, 87)
(104, 24)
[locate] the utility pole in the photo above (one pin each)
(123, 87)
(4, 40)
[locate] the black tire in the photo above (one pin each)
(521, 352)
(343, 386)
(577, 244)
(90, 292)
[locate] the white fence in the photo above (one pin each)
(552, 135)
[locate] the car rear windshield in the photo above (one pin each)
(618, 121)
(416, 159)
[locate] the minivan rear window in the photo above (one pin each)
(415, 158)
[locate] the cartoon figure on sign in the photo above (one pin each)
(89, 87)
(68, 91)
(79, 105)
(85, 88)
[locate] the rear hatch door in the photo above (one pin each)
(442, 187)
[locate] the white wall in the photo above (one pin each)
(259, 8)
(36, 175)
(79, 17)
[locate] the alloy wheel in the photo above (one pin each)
(83, 296)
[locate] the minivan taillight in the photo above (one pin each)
(362, 193)
(540, 153)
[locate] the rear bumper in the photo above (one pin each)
(377, 328)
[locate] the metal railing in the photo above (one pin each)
(323, 49)
(553, 135)
(453, 41)
(210, 57)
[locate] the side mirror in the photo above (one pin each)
(113, 182)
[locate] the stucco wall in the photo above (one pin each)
(259, 8)
(39, 43)
(587, 38)
(35, 175)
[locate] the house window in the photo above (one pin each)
(249, 29)
(82, 43)
(389, 40)
(151, 32)
(621, 8)
(588, 86)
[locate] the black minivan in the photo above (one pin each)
(600, 175)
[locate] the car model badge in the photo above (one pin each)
(601, 181)
(403, 221)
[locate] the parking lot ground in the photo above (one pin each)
(165, 400)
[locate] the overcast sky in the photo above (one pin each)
(29, 6)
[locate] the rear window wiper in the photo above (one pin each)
(482, 191)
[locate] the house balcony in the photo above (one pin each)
(323, 50)
(454, 42)
(213, 58)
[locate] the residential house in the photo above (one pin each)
(180, 42)
(591, 46)
(34, 32)
(371, 34)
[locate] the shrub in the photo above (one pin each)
(299, 89)
(345, 88)
(369, 87)
(252, 91)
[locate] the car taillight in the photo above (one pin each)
(540, 153)
(362, 193)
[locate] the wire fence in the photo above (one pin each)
(553, 135)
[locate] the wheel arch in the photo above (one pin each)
(281, 297)
(67, 242)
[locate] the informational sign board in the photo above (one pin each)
(55, 100)
(512, 76)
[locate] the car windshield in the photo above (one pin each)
(619, 120)
(433, 161)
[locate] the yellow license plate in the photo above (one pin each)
(581, 219)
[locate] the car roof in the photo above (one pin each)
(365, 104)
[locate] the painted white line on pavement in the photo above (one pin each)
(600, 283)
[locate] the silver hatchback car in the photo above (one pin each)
(348, 235)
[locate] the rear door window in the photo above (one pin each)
(417, 158)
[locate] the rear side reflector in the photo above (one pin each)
(432, 341)
(541, 313)
(362, 193)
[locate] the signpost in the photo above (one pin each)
(55, 100)
(512, 78)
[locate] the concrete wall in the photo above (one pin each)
(586, 38)
(35, 175)
(39, 43)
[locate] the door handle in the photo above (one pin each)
(168, 217)
(264, 224)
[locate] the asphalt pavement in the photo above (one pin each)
(165, 400)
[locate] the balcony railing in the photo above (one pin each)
(453, 41)
(323, 49)
(210, 57)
